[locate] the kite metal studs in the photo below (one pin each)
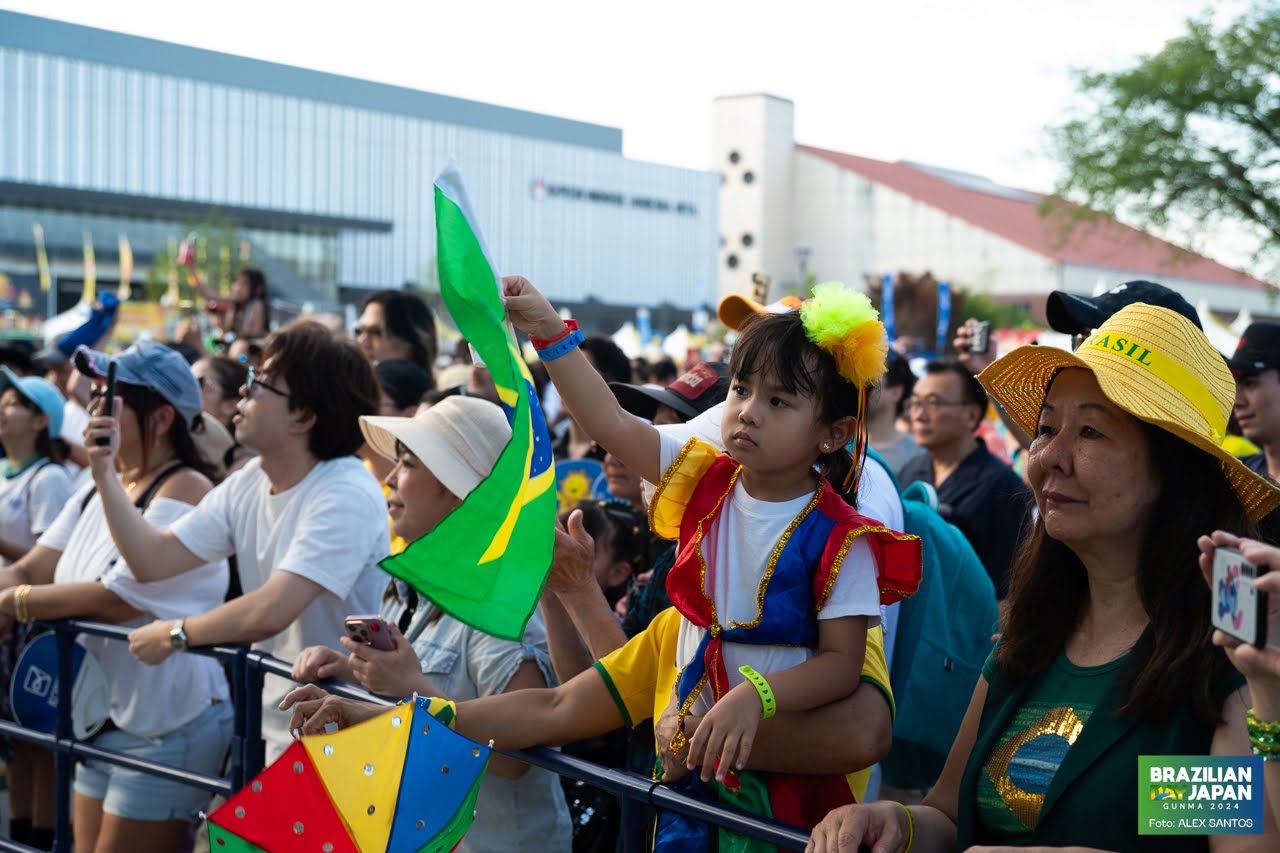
(297, 828)
(297, 767)
(368, 770)
(328, 749)
(239, 811)
(256, 786)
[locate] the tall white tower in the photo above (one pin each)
(752, 142)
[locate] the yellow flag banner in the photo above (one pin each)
(42, 258)
(126, 269)
(90, 270)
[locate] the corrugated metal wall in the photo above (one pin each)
(68, 123)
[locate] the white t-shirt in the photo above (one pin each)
(74, 420)
(330, 528)
(737, 547)
(148, 701)
(30, 501)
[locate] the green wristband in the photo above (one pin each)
(768, 705)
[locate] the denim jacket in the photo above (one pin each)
(528, 813)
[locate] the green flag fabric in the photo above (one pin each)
(486, 562)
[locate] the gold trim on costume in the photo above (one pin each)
(773, 559)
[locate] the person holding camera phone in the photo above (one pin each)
(440, 455)
(1258, 662)
(1105, 651)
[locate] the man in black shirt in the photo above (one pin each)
(976, 491)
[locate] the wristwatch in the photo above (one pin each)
(178, 637)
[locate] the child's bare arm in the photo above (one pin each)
(725, 736)
(582, 389)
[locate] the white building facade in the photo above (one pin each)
(792, 211)
(112, 133)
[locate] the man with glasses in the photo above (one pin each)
(306, 521)
(976, 491)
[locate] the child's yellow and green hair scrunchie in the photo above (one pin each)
(845, 324)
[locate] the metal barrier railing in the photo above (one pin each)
(246, 669)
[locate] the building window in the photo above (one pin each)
(731, 262)
(748, 177)
(734, 158)
(747, 240)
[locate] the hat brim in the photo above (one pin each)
(1071, 314)
(736, 308)
(49, 357)
(382, 432)
(1245, 367)
(643, 400)
(1020, 380)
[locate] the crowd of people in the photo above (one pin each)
(725, 622)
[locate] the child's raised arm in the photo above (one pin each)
(726, 733)
(582, 389)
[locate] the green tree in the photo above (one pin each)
(1183, 141)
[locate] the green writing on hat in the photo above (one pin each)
(1122, 345)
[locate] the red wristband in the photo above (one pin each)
(570, 326)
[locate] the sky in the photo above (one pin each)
(968, 86)
(964, 85)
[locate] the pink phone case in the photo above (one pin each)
(370, 630)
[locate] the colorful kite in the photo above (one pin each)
(402, 782)
(486, 562)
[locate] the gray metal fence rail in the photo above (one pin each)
(246, 669)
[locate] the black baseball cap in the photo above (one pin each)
(403, 381)
(690, 395)
(1079, 315)
(1259, 349)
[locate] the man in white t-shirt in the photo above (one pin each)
(305, 519)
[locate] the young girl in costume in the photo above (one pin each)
(777, 578)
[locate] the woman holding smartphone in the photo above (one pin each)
(440, 456)
(178, 713)
(1259, 663)
(1105, 651)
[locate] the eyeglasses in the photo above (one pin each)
(252, 381)
(371, 331)
(930, 404)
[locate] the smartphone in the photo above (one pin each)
(370, 630)
(109, 402)
(981, 340)
(1238, 608)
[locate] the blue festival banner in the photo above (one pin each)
(886, 305)
(944, 315)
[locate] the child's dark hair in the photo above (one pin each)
(621, 528)
(775, 348)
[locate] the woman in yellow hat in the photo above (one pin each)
(1105, 654)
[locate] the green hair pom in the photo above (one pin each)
(845, 324)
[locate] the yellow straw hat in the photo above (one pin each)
(1154, 364)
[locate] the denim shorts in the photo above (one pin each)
(200, 746)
